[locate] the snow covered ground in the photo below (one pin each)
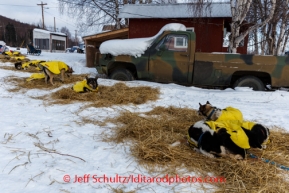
(27, 126)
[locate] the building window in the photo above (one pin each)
(42, 44)
(192, 29)
(178, 43)
(181, 42)
(58, 45)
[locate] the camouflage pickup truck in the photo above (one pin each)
(171, 58)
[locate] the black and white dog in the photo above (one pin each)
(212, 143)
(258, 135)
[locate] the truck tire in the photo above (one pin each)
(250, 81)
(121, 74)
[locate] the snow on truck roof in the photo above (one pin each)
(136, 46)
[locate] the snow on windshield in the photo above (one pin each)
(136, 46)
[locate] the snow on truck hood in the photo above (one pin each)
(136, 46)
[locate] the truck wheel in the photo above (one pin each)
(250, 81)
(121, 74)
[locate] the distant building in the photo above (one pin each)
(49, 41)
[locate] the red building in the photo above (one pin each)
(210, 23)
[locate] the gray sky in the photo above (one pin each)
(27, 11)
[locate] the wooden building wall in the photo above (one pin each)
(209, 31)
(93, 42)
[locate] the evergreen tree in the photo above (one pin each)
(10, 34)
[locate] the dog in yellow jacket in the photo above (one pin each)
(212, 113)
(26, 65)
(258, 134)
(53, 68)
(87, 85)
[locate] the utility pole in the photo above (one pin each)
(76, 37)
(42, 4)
(54, 25)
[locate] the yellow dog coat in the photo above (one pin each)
(79, 87)
(54, 66)
(231, 115)
(235, 131)
(248, 125)
(14, 56)
(36, 76)
(31, 62)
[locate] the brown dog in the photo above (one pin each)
(54, 68)
(210, 112)
(215, 114)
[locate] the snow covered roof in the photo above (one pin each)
(94, 33)
(135, 46)
(173, 10)
(49, 32)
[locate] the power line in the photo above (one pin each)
(19, 5)
(60, 19)
(24, 5)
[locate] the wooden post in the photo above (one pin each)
(54, 25)
(42, 4)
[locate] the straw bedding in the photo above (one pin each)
(31, 69)
(151, 134)
(106, 96)
(4, 58)
(22, 84)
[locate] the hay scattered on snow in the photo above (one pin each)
(31, 69)
(4, 58)
(21, 83)
(151, 134)
(106, 95)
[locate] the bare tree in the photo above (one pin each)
(239, 9)
(285, 41)
(279, 24)
(66, 31)
(271, 38)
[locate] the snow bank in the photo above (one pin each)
(136, 46)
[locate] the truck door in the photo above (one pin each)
(169, 60)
